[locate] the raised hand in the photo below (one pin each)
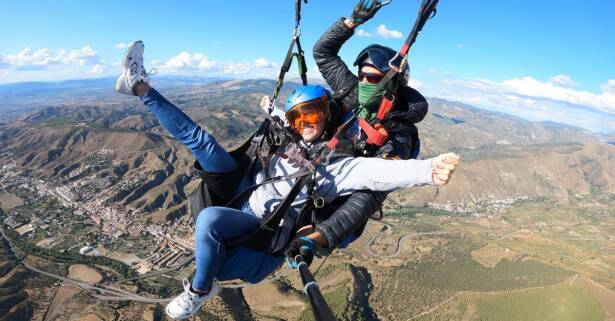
(366, 9)
(442, 168)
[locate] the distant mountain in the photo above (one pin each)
(105, 83)
(495, 174)
(143, 168)
(453, 125)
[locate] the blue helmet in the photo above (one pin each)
(304, 94)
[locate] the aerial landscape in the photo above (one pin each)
(96, 224)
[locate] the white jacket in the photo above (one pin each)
(341, 176)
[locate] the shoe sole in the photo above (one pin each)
(137, 45)
(175, 318)
(130, 51)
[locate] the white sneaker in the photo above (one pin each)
(133, 72)
(188, 303)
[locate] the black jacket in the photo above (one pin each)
(411, 107)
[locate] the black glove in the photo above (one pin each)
(366, 9)
(303, 246)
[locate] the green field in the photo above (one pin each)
(450, 270)
(558, 303)
(465, 274)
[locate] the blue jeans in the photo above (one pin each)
(215, 225)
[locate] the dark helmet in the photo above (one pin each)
(376, 56)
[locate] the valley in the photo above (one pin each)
(525, 231)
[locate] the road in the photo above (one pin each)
(101, 292)
(159, 272)
(400, 241)
(106, 292)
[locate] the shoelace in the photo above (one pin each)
(186, 298)
(145, 74)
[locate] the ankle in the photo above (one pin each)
(141, 88)
(199, 292)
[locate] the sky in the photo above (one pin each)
(540, 60)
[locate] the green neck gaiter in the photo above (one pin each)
(369, 108)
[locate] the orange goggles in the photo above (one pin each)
(310, 112)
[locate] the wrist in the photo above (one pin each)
(351, 24)
(317, 238)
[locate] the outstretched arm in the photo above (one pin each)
(378, 174)
(408, 173)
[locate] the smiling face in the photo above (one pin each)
(312, 132)
(309, 119)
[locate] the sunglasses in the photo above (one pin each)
(371, 78)
(312, 112)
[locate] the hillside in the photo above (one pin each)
(561, 172)
(527, 217)
(15, 303)
(117, 141)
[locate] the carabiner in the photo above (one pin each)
(319, 202)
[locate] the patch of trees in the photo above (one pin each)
(412, 211)
(67, 257)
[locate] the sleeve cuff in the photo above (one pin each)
(423, 172)
(343, 27)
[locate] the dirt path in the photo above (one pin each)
(400, 241)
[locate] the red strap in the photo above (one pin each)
(385, 106)
(376, 135)
(333, 143)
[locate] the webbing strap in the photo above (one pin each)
(398, 65)
(290, 54)
(261, 237)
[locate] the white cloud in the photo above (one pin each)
(238, 68)
(99, 69)
(384, 32)
(121, 45)
(29, 59)
(530, 87)
(562, 81)
(363, 33)
(609, 87)
(185, 61)
(533, 99)
(264, 63)
(415, 83)
(460, 46)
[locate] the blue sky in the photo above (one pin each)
(541, 60)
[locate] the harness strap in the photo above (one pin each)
(260, 238)
(290, 54)
(376, 134)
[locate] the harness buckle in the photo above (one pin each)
(319, 202)
(398, 62)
